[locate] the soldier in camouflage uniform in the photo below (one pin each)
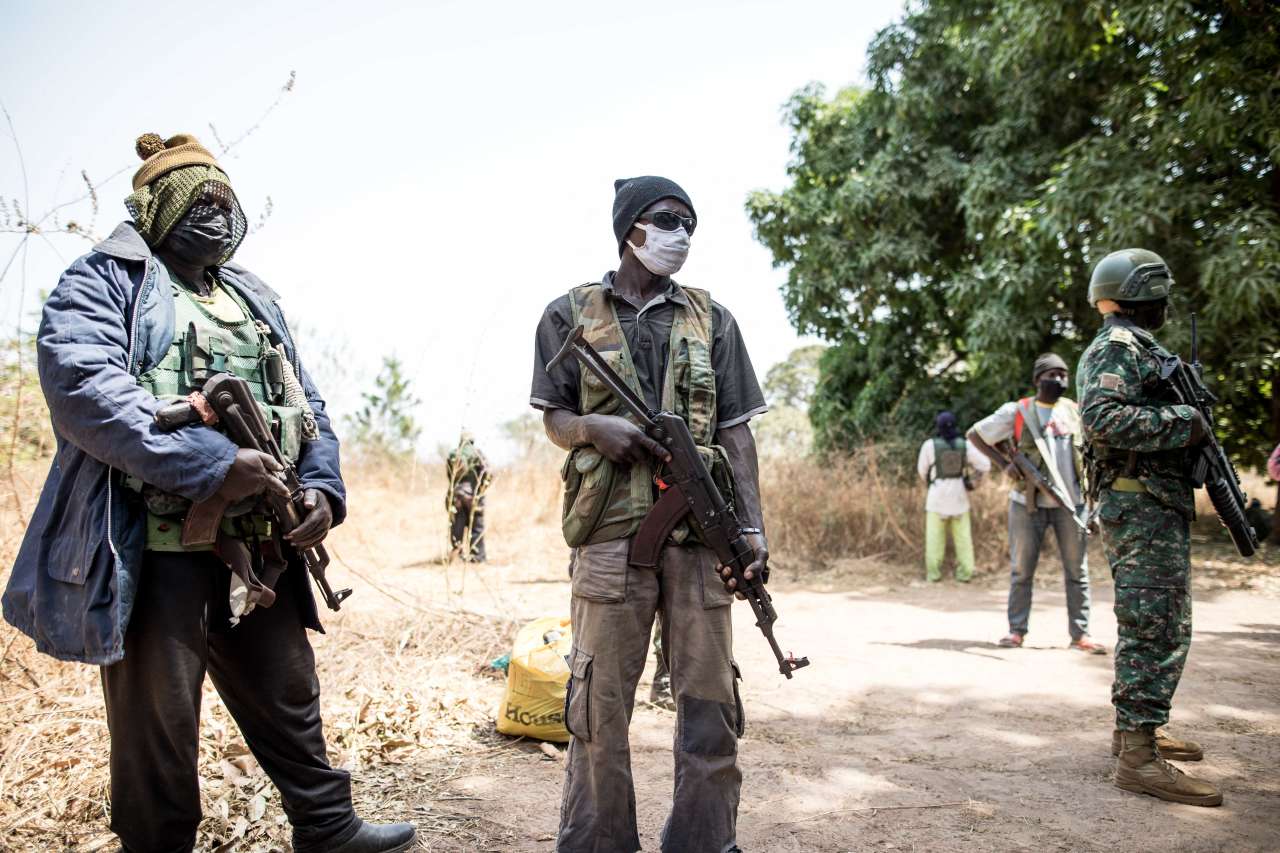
(469, 480)
(1138, 441)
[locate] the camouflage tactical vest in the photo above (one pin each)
(604, 501)
(203, 344)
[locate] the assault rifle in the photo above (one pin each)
(687, 491)
(227, 400)
(1009, 456)
(1210, 467)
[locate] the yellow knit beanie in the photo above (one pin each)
(161, 156)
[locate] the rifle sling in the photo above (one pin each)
(239, 559)
(1050, 460)
(646, 545)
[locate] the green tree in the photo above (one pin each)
(385, 424)
(940, 224)
(791, 382)
(789, 387)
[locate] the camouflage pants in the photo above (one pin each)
(1149, 548)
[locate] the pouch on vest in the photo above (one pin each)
(286, 424)
(596, 398)
(717, 461)
(588, 482)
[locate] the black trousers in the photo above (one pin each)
(264, 670)
(458, 531)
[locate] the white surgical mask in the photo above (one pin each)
(663, 252)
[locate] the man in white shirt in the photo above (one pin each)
(1052, 422)
(944, 464)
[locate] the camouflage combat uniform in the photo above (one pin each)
(1137, 440)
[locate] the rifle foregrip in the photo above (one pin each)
(1231, 514)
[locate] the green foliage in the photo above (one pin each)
(789, 388)
(385, 424)
(525, 432)
(940, 224)
(791, 383)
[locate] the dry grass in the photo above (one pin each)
(863, 507)
(406, 702)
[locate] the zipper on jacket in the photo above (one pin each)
(148, 278)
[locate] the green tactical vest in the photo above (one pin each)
(1066, 413)
(948, 459)
(604, 501)
(202, 346)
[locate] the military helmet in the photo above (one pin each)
(1130, 275)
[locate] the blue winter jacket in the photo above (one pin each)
(72, 587)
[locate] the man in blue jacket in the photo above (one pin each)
(103, 576)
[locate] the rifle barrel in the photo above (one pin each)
(576, 345)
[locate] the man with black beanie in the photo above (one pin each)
(682, 352)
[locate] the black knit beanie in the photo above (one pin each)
(1048, 361)
(633, 195)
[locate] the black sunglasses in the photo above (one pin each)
(665, 220)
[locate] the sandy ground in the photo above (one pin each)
(911, 730)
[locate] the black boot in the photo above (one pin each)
(369, 838)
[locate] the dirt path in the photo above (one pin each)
(911, 731)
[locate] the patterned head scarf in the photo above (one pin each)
(176, 173)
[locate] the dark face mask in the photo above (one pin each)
(1052, 389)
(202, 237)
(1150, 315)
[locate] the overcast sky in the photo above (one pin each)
(441, 170)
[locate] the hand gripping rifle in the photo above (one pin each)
(687, 491)
(227, 400)
(1009, 456)
(1210, 466)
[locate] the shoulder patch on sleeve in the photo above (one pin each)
(1121, 335)
(1111, 381)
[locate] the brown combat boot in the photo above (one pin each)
(1171, 748)
(1140, 769)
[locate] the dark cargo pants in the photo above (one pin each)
(613, 610)
(1149, 548)
(1026, 538)
(264, 670)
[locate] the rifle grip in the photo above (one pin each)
(203, 520)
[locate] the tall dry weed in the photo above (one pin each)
(865, 505)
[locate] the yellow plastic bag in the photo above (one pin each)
(533, 705)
